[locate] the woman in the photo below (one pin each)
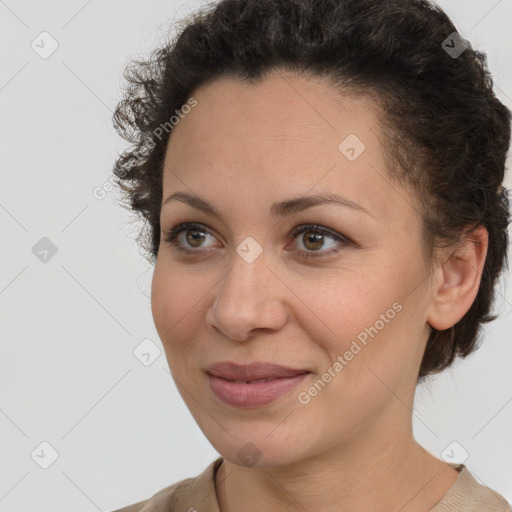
(322, 185)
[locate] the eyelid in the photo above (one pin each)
(171, 235)
(324, 231)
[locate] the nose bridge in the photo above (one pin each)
(242, 287)
(244, 300)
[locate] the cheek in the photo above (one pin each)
(168, 306)
(364, 328)
(162, 304)
(345, 306)
(173, 302)
(180, 298)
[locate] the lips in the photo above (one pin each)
(253, 372)
(253, 385)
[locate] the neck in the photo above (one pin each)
(377, 470)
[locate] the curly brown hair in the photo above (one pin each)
(445, 132)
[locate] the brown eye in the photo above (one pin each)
(193, 238)
(314, 239)
(195, 235)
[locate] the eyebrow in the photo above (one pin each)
(277, 209)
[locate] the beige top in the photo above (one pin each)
(198, 495)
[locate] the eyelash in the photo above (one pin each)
(172, 235)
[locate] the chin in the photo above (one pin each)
(251, 454)
(255, 447)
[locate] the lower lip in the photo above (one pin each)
(254, 394)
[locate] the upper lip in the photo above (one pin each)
(253, 371)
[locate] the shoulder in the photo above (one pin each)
(197, 493)
(166, 497)
(468, 495)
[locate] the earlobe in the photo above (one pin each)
(461, 273)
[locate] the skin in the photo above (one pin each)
(242, 148)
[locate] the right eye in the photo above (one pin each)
(195, 234)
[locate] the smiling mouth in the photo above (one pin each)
(253, 372)
(254, 380)
(253, 393)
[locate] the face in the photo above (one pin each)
(344, 301)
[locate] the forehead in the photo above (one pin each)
(284, 135)
(279, 105)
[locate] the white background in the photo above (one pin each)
(69, 326)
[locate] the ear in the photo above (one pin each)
(459, 279)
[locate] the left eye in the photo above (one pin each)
(313, 239)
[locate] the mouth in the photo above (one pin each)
(253, 372)
(251, 381)
(254, 385)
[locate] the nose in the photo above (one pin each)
(250, 297)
